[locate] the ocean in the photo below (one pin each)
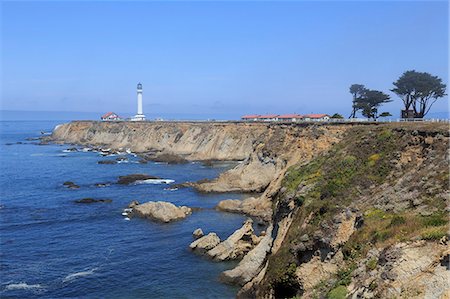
(51, 247)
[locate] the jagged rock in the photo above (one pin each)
(251, 206)
(92, 200)
(251, 264)
(233, 247)
(121, 159)
(205, 243)
(133, 204)
(131, 178)
(161, 211)
(198, 233)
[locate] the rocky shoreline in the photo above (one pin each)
(339, 200)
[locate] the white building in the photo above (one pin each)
(140, 114)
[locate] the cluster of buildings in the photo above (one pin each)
(111, 116)
(286, 117)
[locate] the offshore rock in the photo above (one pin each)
(205, 243)
(131, 178)
(250, 206)
(92, 200)
(198, 233)
(161, 211)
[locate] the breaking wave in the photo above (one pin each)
(76, 275)
(155, 181)
(23, 286)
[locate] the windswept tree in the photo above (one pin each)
(370, 101)
(419, 91)
(356, 90)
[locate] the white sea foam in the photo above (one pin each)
(86, 149)
(155, 181)
(124, 214)
(128, 210)
(126, 218)
(76, 275)
(171, 189)
(22, 286)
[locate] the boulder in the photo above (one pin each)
(198, 233)
(101, 185)
(251, 264)
(205, 243)
(92, 200)
(121, 159)
(131, 178)
(239, 243)
(71, 185)
(161, 211)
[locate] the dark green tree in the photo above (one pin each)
(356, 90)
(385, 114)
(337, 115)
(419, 91)
(370, 101)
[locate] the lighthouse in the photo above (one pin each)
(140, 114)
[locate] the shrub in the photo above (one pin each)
(434, 234)
(435, 220)
(372, 263)
(339, 292)
(345, 275)
(373, 159)
(299, 200)
(397, 220)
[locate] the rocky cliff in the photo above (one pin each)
(356, 211)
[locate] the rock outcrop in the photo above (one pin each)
(132, 178)
(236, 245)
(161, 211)
(71, 185)
(205, 243)
(251, 264)
(198, 233)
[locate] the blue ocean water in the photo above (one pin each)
(51, 247)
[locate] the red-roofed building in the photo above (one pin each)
(253, 117)
(268, 117)
(316, 117)
(110, 116)
(290, 117)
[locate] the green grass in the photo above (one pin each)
(372, 263)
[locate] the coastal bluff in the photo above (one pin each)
(264, 150)
(354, 210)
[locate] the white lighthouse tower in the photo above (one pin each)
(140, 114)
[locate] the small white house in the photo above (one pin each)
(316, 117)
(110, 116)
(251, 117)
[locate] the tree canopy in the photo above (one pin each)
(370, 101)
(356, 90)
(419, 91)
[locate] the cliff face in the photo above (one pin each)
(357, 211)
(266, 150)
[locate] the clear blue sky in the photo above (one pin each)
(215, 59)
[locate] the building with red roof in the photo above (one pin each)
(316, 117)
(110, 116)
(253, 117)
(290, 117)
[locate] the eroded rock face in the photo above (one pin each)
(236, 245)
(250, 206)
(132, 178)
(205, 243)
(251, 264)
(161, 211)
